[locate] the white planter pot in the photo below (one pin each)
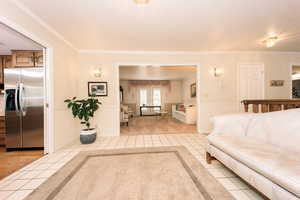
(88, 136)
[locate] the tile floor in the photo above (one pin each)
(21, 183)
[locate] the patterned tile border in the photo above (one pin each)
(195, 143)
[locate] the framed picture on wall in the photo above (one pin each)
(193, 90)
(98, 89)
(277, 83)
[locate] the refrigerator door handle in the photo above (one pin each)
(21, 99)
(17, 99)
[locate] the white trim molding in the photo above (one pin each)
(99, 51)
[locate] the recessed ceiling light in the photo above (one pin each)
(270, 41)
(141, 1)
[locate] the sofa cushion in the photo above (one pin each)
(280, 166)
(231, 125)
(278, 128)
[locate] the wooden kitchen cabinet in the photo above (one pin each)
(7, 61)
(39, 59)
(22, 58)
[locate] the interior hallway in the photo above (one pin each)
(154, 125)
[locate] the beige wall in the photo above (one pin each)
(186, 90)
(216, 95)
(65, 60)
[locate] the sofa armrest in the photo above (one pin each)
(231, 125)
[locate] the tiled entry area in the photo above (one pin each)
(18, 185)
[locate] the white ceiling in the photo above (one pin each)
(11, 40)
(173, 25)
(157, 72)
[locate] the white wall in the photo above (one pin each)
(216, 95)
(186, 90)
(65, 61)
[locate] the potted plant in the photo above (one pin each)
(84, 109)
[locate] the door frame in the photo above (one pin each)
(238, 81)
(48, 82)
(291, 80)
(198, 85)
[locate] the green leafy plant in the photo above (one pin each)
(84, 109)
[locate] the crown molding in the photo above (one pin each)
(43, 23)
(100, 51)
(95, 51)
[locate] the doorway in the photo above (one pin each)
(23, 116)
(158, 99)
(295, 78)
(251, 82)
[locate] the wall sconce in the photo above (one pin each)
(141, 1)
(217, 72)
(97, 72)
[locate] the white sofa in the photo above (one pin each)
(188, 117)
(263, 149)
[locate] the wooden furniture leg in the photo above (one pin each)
(209, 158)
(246, 107)
(255, 108)
(264, 108)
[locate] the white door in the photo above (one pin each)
(251, 82)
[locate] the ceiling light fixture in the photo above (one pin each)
(270, 41)
(141, 1)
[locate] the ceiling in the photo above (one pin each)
(173, 25)
(12, 40)
(157, 72)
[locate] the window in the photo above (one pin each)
(143, 97)
(156, 98)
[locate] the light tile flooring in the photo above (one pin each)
(21, 183)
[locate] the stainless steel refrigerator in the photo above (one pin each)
(24, 107)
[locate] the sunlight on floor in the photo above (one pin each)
(153, 125)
